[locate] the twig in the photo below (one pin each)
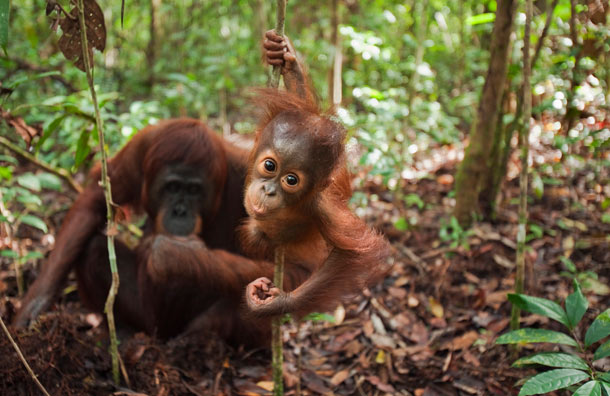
(105, 183)
(25, 362)
(43, 165)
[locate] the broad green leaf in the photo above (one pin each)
(29, 180)
(9, 253)
(319, 317)
(604, 377)
(50, 130)
(553, 359)
(603, 351)
(599, 329)
(540, 306)
(4, 17)
(576, 305)
(591, 388)
(401, 224)
(82, 148)
(34, 221)
(606, 387)
(6, 173)
(527, 335)
(9, 158)
(481, 18)
(50, 181)
(29, 199)
(33, 255)
(552, 380)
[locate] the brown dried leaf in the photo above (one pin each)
(339, 377)
(24, 130)
(70, 42)
(374, 380)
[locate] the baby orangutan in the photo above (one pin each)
(296, 195)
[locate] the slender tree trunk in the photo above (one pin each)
(571, 111)
(421, 10)
(334, 78)
(500, 159)
(523, 179)
(151, 51)
(475, 168)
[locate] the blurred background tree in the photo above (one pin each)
(417, 81)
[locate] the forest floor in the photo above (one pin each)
(428, 329)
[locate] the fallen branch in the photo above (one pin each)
(43, 165)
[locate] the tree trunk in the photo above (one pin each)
(475, 168)
(504, 135)
(334, 75)
(151, 51)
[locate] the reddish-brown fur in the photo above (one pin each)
(319, 231)
(167, 281)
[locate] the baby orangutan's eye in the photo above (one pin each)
(270, 165)
(292, 180)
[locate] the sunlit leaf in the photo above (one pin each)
(481, 18)
(552, 380)
(401, 224)
(576, 305)
(540, 306)
(553, 359)
(525, 336)
(9, 253)
(591, 388)
(603, 351)
(34, 221)
(29, 180)
(50, 181)
(599, 329)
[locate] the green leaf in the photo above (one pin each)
(553, 359)
(606, 387)
(604, 377)
(4, 19)
(576, 305)
(603, 351)
(569, 264)
(50, 130)
(35, 222)
(552, 380)
(481, 18)
(6, 173)
(527, 335)
(29, 199)
(9, 253)
(33, 255)
(599, 329)
(540, 306)
(29, 180)
(82, 148)
(401, 224)
(591, 388)
(319, 317)
(537, 185)
(50, 181)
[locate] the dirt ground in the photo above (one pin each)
(428, 329)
